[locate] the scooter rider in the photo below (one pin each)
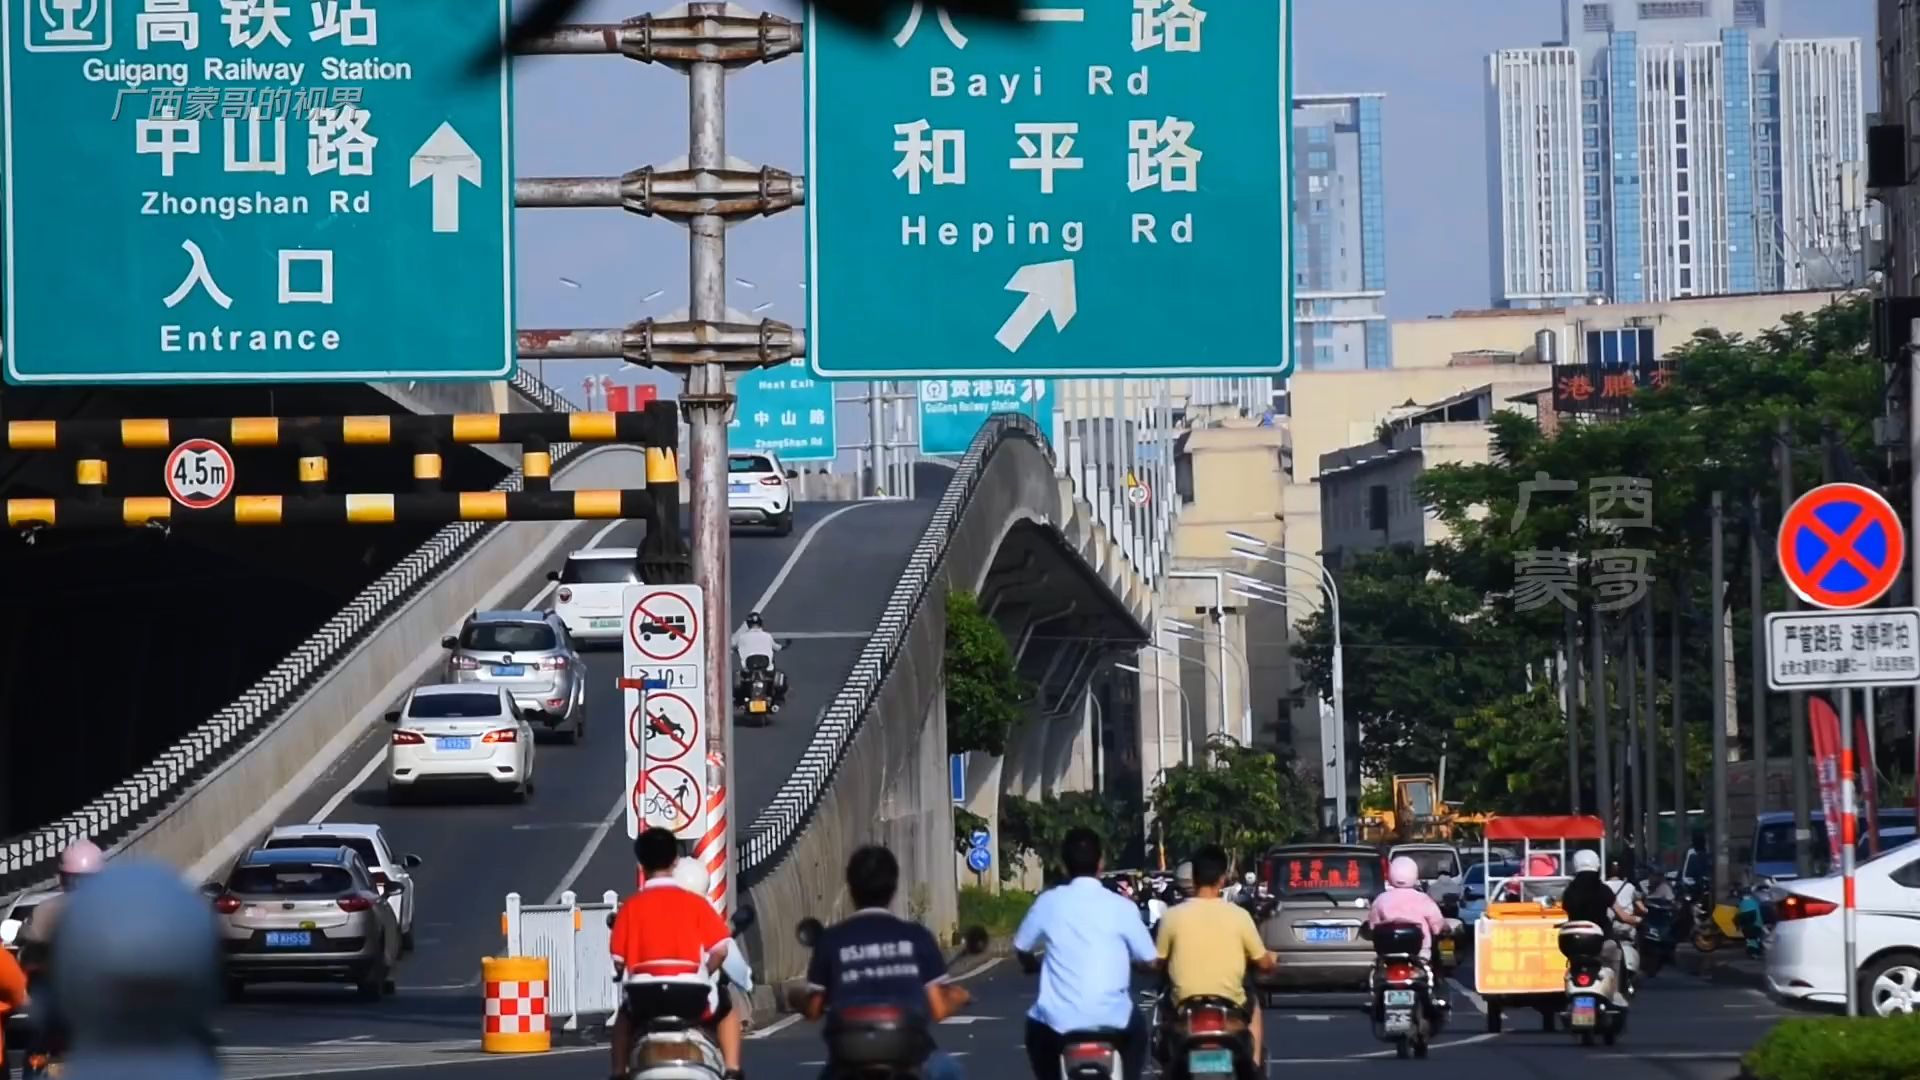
(1405, 902)
(753, 640)
(1627, 911)
(729, 1032)
(1207, 943)
(1588, 899)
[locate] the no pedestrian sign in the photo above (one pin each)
(1841, 546)
(1817, 650)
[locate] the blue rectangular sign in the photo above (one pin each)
(1103, 190)
(952, 410)
(957, 777)
(203, 191)
(786, 411)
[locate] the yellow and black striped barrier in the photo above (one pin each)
(421, 508)
(652, 426)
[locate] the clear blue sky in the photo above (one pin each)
(602, 115)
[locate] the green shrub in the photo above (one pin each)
(1831, 1047)
(1000, 913)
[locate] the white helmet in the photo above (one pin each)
(690, 875)
(1586, 862)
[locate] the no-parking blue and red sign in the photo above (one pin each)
(1841, 546)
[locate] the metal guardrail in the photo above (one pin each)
(780, 823)
(30, 859)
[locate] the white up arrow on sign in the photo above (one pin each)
(1049, 289)
(447, 158)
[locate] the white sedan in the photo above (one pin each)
(459, 733)
(382, 862)
(1803, 962)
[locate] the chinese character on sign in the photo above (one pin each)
(1049, 154)
(197, 274)
(789, 418)
(1543, 577)
(816, 416)
(167, 22)
(912, 27)
(337, 138)
(1633, 494)
(760, 418)
(960, 388)
(1170, 24)
(1540, 482)
(1003, 388)
(944, 157)
(1617, 384)
(1620, 578)
(167, 137)
(322, 293)
(1161, 157)
(1575, 387)
(353, 22)
(256, 160)
(250, 22)
(983, 388)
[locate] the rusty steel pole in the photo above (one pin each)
(709, 348)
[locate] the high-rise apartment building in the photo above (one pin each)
(1674, 148)
(1339, 234)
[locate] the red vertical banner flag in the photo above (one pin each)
(1825, 725)
(1869, 786)
(618, 399)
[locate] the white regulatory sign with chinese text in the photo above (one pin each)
(1813, 650)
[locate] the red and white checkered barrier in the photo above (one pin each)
(516, 1005)
(711, 849)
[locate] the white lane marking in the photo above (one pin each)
(379, 758)
(776, 1027)
(1468, 1041)
(1479, 1002)
(793, 559)
(812, 635)
(581, 860)
(1310, 1016)
(981, 970)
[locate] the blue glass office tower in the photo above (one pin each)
(1711, 156)
(1339, 230)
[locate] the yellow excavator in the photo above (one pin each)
(1419, 814)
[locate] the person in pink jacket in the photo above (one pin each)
(1404, 902)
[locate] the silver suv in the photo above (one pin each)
(1321, 894)
(531, 656)
(307, 914)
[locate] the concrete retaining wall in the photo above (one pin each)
(209, 824)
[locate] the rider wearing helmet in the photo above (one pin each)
(1405, 902)
(1588, 899)
(78, 863)
(728, 1028)
(750, 641)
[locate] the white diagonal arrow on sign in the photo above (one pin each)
(447, 159)
(1049, 289)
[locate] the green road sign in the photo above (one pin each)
(1101, 190)
(787, 411)
(256, 191)
(952, 410)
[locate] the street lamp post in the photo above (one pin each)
(1246, 674)
(1160, 738)
(1332, 590)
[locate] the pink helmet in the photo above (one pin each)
(83, 856)
(1403, 873)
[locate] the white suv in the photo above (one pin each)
(757, 491)
(587, 596)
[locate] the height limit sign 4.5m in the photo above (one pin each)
(1101, 189)
(256, 190)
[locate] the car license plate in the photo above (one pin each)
(1583, 1013)
(603, 624)
(1210, 1061)
(462, 743)
(289, 939)
(1326, 933)
(736, 489)
(509, 670)
(756, 706)
(1399, 997)
(1398, 1020)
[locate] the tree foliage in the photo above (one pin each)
(1517, 747)
(986, 697)
(1032, 831)
(1240, 798)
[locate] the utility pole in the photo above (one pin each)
(1677, 749)
(1796, 702)
(1757, 651)
(1570, 677)
(1649, 738)
(1597, 702)
(709, 347)
(1632, 808)
(1718, 588)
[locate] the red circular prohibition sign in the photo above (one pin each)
(1838, 527)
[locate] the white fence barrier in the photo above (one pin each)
(575, 939)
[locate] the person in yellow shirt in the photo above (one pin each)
(1207, 943)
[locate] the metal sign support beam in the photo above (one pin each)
(703, 41)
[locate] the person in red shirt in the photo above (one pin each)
(664, 930)
(13, 996)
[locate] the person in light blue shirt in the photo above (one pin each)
(1090, 940)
